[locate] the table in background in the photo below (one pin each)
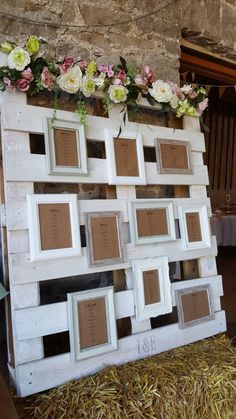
(224, 228)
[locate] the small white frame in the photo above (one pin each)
(178, 297)
(36, 253)
(52, 167)
(146, 204)
(204, 227)
(77, 353)
(145, 311)
(89, 238)
(160, 168)
(114, 179)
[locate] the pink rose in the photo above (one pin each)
(27, 74)
(148, 73)
(192, 94)
(66, 65)
(202, 106)
(22, 85)
(139, 80)
(174, 87)
(8, 83)
(47, 79)
(180, 95)
(121, 74)
(117, 81)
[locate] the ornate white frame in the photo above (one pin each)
(204, 225)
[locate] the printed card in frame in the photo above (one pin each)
(125, 158)
(104, 236)
(92, 323)
(194, 305)
(152, 287)
(151, 221)
(53, 226)
(194, 227)
(173, 156)
(65, 146)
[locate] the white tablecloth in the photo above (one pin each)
(224, 228)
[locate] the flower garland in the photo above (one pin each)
(27, 70)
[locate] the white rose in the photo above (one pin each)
(161, 91)
(71, 81)
(100, 80)
(186, 88)
(88, 86)
(18, 59)
(174, 102)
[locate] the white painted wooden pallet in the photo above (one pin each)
(30, 320)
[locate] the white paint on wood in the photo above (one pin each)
(25, 295)
(23, 271)
(207, 266)
(191, 124)
(17, 215)
(197, 191)
(50, 372)
(29, 350)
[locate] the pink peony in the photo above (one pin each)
(121, 74)
(66, 65)
(148, 73)
(8, 84)
(47, 79)
(202, 106)
(174, 87)
(27, 74)
(22, 85)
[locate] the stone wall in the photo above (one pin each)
(108, 29)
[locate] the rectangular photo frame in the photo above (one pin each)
(65, 146)
(54, 230)
(151, 221)
(152, 287)
(92, 323)
(104, 237)
(194, 305)
(194, 227)
(125, 158)
(173, 156)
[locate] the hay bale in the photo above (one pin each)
(195, 381)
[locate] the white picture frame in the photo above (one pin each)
(66, 148)
(172, 157)
(48, 217)
(115, 246)
(165, 208)
(194, 227)
(190, 313)
(83, 344)
(151, 300)
(139, 177)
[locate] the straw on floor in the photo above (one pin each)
(195, 381)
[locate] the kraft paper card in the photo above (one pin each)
(126, 157)
(55, 226)
(152, 222)
(195, 305)
(193, 226)
(174, 156)
(66, 151)
(92, 323)
(151, 287)
(105, 239)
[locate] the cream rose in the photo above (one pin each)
(100, 80)
(88, 86)
(174, 102)
(71, 81)
(18, 59)
(118, 93)
(161, 91)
